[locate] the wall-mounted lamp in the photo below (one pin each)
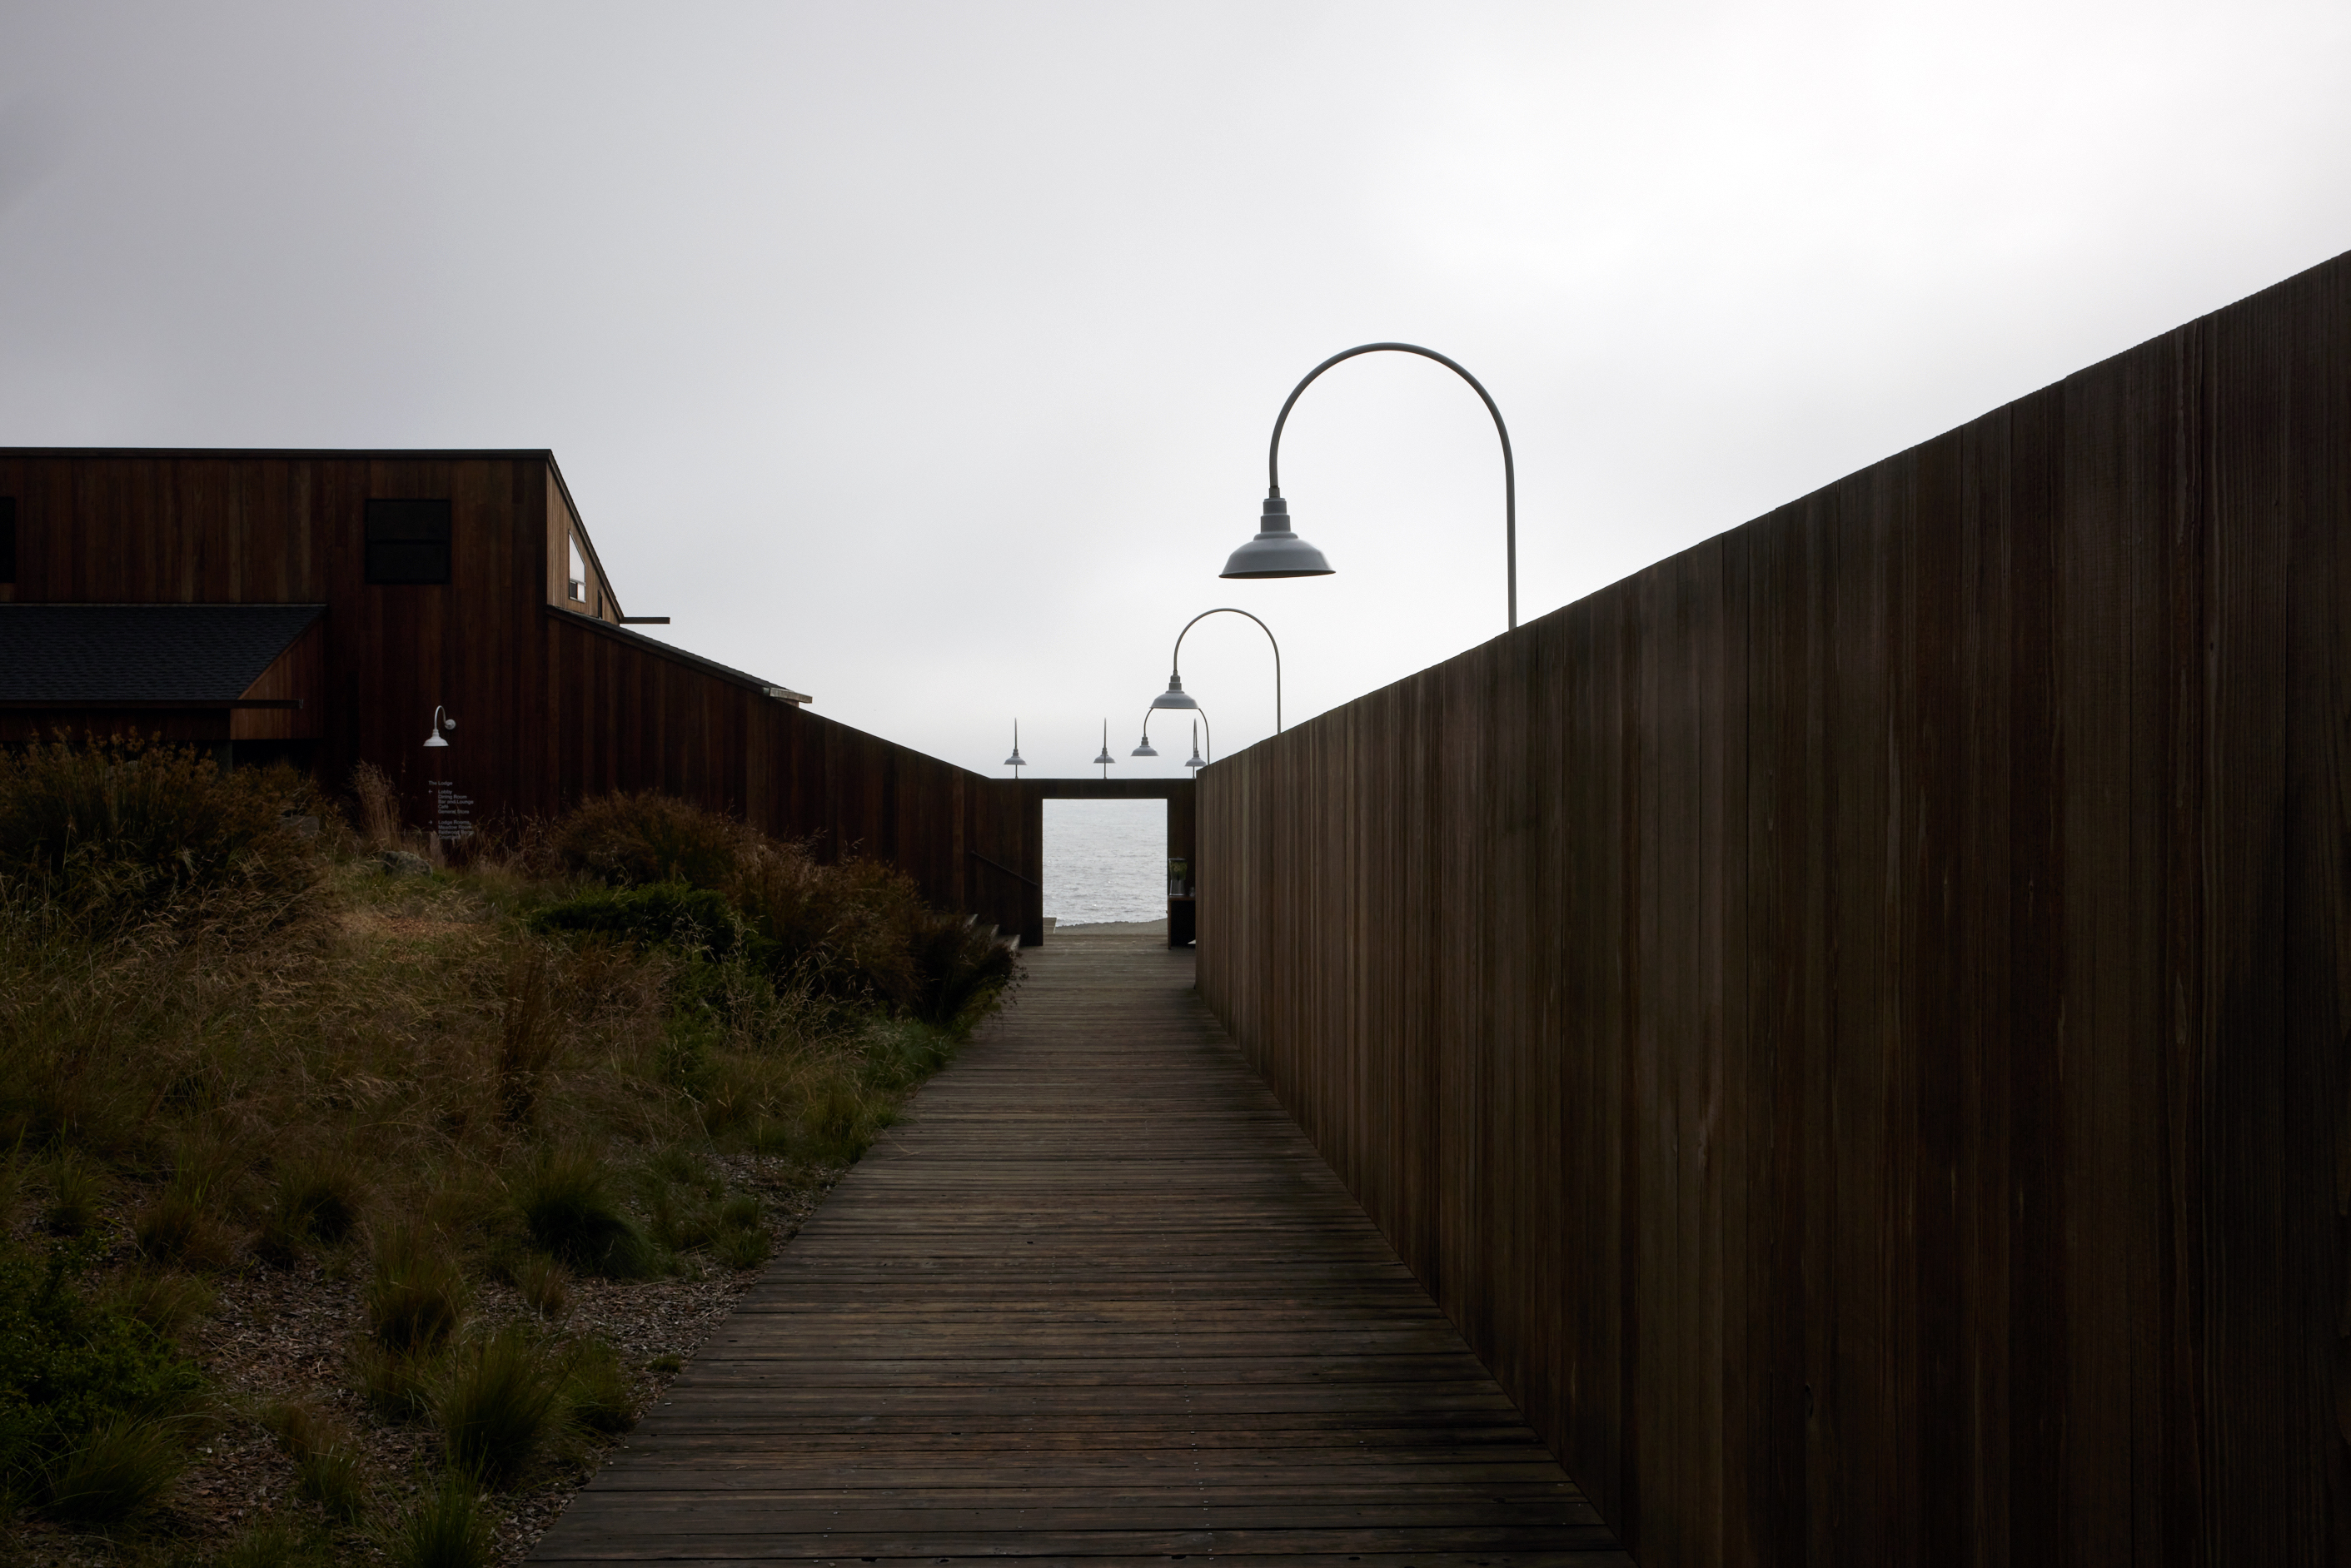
(439, 724)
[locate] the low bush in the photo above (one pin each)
(634, 840)
(569, 1210)
(671, 914)
(115, 833)
(417, 1296)
(86, 1394)
(494, 1404)
(959, 967)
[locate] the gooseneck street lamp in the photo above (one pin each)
(1198, 712)
(1175, 696)
(1278, 552)
(1016, 761)
(1105, 759)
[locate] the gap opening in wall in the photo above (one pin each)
(1105, 861)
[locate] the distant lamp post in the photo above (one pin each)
(1278, 552)
(1198, 712)
(1197, 761)
(1015, 762)
(1105, 758)
(1175, 696)
(439, 724)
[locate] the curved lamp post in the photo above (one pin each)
(1278, 552)
(1197, 761)
(1198, 712)
(1016, 761)
(1105, 759)
(1175, 696)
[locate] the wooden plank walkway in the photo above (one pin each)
(1097, 1301)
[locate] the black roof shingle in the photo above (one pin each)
(142, 652)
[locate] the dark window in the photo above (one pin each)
(408, 541)
(8, 538)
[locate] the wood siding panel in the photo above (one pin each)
(1851, 1021)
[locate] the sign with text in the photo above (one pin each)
(453, 815)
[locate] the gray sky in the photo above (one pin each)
(923, 356)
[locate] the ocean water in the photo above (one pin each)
(1105, 860)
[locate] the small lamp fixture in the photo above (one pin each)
(1196, 762)
(1105, 759)
(439, 724)
(1016, 761)
(1144, 749)
(1176, 696)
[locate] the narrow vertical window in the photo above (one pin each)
(576, 584)
(8, 538)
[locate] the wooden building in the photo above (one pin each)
(322, 605)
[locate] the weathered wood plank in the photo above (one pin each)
(1096, 1299)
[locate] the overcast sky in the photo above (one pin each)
(922, 356)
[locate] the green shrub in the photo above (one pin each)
(117, 1469)
(662, 914)
(119, 831)
(417, 1296)
(72, 1370)
(494, 1404)
(445, 1528)
(634, 840)
(569, 1209)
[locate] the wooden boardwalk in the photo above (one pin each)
(1096, 1300)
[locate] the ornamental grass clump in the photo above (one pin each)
(569, 1209)
(496, 1402)
(417, 1296)
(446, 1527)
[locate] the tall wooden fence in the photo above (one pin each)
(1851, 1021)
(628, 714)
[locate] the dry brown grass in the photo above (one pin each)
(303, 1066)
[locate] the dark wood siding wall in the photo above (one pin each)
(623, 714)
(550, 707)
(1851, 1021)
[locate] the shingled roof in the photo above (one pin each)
(114, 654)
